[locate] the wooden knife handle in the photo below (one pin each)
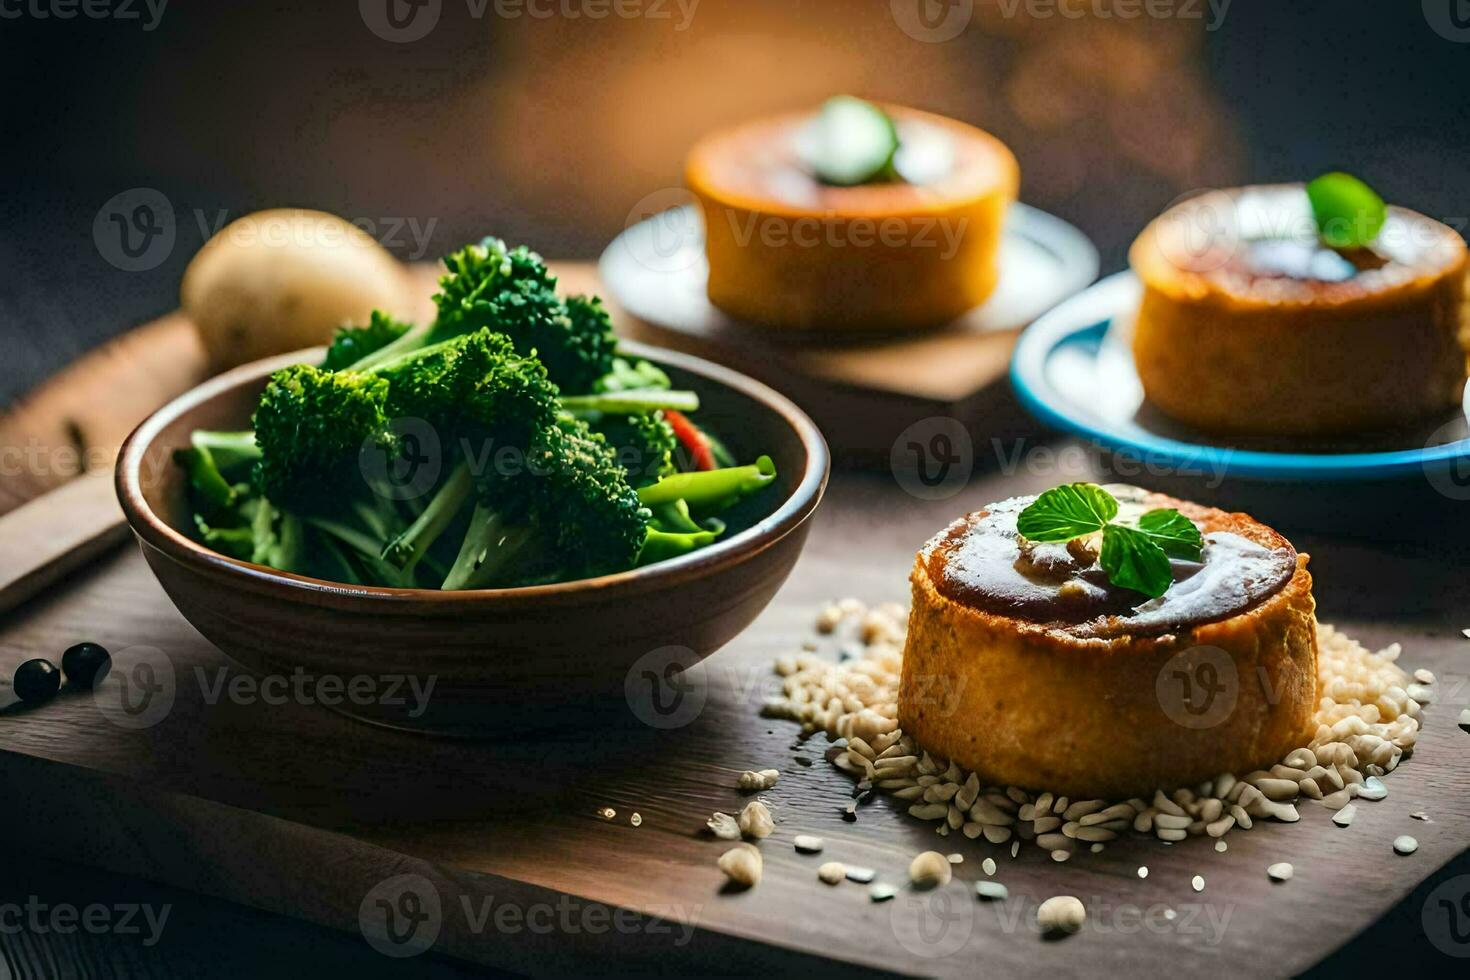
(53, 535)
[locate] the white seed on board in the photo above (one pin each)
(755, 820)
(808, 844)
(606, 812)
(1143, 872)
(1221, 847)
(1405, 844)
(929, 869)
(1344, 817)
(1061, 915)
(723, 826)
(860, 875)
(991, 891)
(1197, 883)
(636, 820)
(1281, 871)
(988, 866)
(1464, 721)
(764, 779)
(1424, 676)
(1060, 855)
(832, 872)
(1097, 848)
(1373, 788)
(1015, 848)
(881, 892)
(955, 858)
(742, 865)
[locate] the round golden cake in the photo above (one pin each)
(1249, 325)
(1025, 665)
(790, 252)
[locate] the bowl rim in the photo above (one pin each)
(153, 531)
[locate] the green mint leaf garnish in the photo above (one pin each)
(854, 142)
(1133, 561)
(1349, 214)
(1067, 512)
(1173, 532)
(1134, 556)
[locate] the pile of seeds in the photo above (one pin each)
(1367, 721)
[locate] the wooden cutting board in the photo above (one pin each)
(298, 810)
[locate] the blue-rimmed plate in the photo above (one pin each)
(1073, 369)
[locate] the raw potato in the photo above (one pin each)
(280, 280)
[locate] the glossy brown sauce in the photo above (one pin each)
(981, 561)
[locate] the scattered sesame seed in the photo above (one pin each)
(860, 875)
(832, 872)
(1197, 883)
(991, 891)
(1405, 845)
(881, 892)
(607, 813)
(636, 820)
(988, 866)
(1221, 847)
(955, 858)
(1281, 871)
(807, 844)
(1143, 872)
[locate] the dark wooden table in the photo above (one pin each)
(293, 809)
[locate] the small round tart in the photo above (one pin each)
(1025, 665)
(788, 251)
(1249, 325)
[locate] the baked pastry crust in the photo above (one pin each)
(1040, 706)
(794, 254)
(1232, 353)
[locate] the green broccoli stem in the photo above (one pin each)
(631, 402)
(658, 544)
(404, 551)
(490, 545)
(408, 344)
(228, 449)
(710, 490)
(366, 549)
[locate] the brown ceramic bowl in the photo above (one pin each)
(540, 654)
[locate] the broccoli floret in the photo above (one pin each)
(351, 344)
(310, 427)
(643, 444)
(569, 512)
(478, 388)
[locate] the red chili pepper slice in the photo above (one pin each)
(693, 441)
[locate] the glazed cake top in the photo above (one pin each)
(763, 164)
(981, 561)
(1261, 244)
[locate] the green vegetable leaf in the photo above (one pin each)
(1133, 561)
(1067, 512)
(855, 142)
(1349, 214)
(1173, 532)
